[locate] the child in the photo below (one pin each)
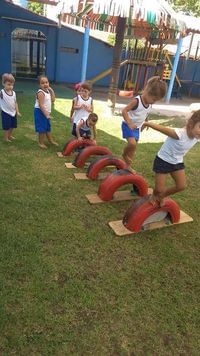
(9, 107)
(169, 159)
(77, 88)
(83, 105)
(42, 112)
(85, 125)
(136, 113)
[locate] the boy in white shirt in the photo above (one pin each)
(9, 106)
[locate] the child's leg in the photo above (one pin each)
(10, 134)
(180, 183)
(129, 151)
(41, 137)
(160, 191)
(6, 136)
(50, 139)
(159, 188)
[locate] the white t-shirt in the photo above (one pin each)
(80, 113)
(85, 127)
(8, 102)
(47, 100)
(173, 151)
(139, 112)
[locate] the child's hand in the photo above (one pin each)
(131, 125)
(80, 138)
(144, 125)
(50, 117)
(18, 114)
(95, 142)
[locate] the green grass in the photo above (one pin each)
(69, 286)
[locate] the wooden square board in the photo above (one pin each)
(118, 196)
(120, 230)
(83, 176)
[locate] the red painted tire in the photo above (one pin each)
(118, 178)
(72, 144)
(142, 209)
(82, 157)
(98, 164)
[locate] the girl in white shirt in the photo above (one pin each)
(169, 159)
(42, 112)
(8, 106)
(82, 105)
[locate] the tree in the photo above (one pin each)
(189, 7)
(35, 7)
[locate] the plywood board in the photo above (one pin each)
(118, 196)
(120, 230)
(83, 176)
(70, 165)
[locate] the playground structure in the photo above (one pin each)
(142, 214)
(140, 65)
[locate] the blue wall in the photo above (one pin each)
(61, 66)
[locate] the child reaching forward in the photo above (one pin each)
(82, 106)
(136, 113)
(169, 159)
(42, 112)
(85, 125)
(9, 107)
(78, 92)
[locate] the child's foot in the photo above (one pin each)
(42, 145)
(8, 140)
(54, 143)
(155, 201)
(130, 169)
(12, 138)
(127, 159)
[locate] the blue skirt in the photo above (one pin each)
(8, 121)
(42, 124)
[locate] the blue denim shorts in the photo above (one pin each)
(127, 132)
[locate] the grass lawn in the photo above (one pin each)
(69, 286)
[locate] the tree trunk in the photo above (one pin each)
(117, 50)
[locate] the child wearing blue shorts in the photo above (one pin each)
(136, 113)
(42, 112)
(9, 106)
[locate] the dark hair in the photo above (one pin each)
(86, 85)
(93, 117)
(156, 87)
(40, 77)
(8, 77)
(194, 119)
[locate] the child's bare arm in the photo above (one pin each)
(165, 130)
(126, 116)
(94, 133)
(71, 111)
(78, 127)
(17, 109)
(52, 94)
(40, 97)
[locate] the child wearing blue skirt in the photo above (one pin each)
(42, 112)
